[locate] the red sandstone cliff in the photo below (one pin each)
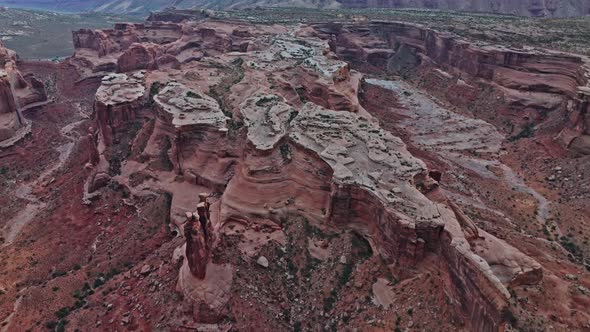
(17, 94)
(537, 86)
(307, 147)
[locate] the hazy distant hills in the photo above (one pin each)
(547, 8)
(54, 5)
(46, 35)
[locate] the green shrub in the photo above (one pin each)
(63, 312)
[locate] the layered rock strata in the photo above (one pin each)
(531, 84)
(117, 102)
(195, 126)
(198, 232)
(309, 150)
(368, 183)
(17, 94)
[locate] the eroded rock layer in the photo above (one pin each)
(274, 126)
(117, 101)
(17, 94)
(526, 86)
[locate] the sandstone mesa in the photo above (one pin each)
(231, 135)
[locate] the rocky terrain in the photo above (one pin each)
(533, 8)
(19, 93)
(223, 174)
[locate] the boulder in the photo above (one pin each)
(262, 261)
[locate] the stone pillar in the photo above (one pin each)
(197, 252)
(203, 199)
(199, 237)
(93, 154)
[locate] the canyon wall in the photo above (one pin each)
(117, 101)
(18, 93)
(196, 129)
(545, 88)
(297, 144)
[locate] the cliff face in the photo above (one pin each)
(117, 101)
(540, 87)
(286, 136)
(17, 94)
(11, 119)
(196, 128)
(370, 187)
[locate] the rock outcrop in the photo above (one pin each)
(576, 135)
(527, 85)
(198, 232)
(117, 102)
(17, 94)
(308, 148)
(137, 57)
(11, 117)
(367, 183)
(97, 40)
(196, 128)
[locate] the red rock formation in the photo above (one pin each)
(576, 134)
(167, 62)
(138, 56)
(10, 119)
(7, 102)
(336, 166)
(17, 94)
(96, 40)
(196, 128)
(117, 101)
(544, 83)
(402, 225)
(197, 253)
(135, 46)
(199, 239)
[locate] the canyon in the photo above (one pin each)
(219, 174)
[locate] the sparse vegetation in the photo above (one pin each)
(527, 131)
(154, 90)
(62, 312)
(193, 95)
(286, 152)
(570, 246)
(265, 100)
